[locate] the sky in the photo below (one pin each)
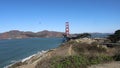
(83, 15)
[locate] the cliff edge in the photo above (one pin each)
(79, 53)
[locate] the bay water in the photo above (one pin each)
(17, 49)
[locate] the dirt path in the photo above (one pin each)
(70, 50)
(61, 51)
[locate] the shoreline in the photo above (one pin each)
(71, 51)
(40, 53)
(30, 47)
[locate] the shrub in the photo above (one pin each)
(100, 59)
(70, 62)
(115, 37)
(79, 61)
(116, 57)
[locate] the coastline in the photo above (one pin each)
(88, 49)
(18, 50)
(24, 60)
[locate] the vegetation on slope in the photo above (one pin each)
(96, 55)
(78, 61)
(84, 55)
(115, 37)
(77, 53)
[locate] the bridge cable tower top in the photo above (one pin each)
(67, 29)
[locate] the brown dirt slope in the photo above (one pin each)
(72, 48)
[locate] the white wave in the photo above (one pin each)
(9, 65)
(14, 61)
(39, 53)
(27, 58)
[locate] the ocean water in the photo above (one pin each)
(18, 49)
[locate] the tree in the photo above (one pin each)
(84, 35)
(115, 37)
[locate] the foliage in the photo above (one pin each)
(81, 48)
(115, 37)
(79, 61)
(116, 57)
(70, 62)
(99, 59)
(84, 35)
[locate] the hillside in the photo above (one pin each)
(16, 34)
(79, 53)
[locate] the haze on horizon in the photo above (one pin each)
(37, 15)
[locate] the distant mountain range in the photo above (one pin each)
(16, 34)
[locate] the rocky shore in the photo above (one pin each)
(66, 54)
(28, 60)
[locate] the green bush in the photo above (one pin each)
(115, 37)
(97, 48)
(81, 48)
(116, 57)
(79, 61)
(99, 59)
(70, 62)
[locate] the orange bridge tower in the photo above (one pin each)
(67, 29)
